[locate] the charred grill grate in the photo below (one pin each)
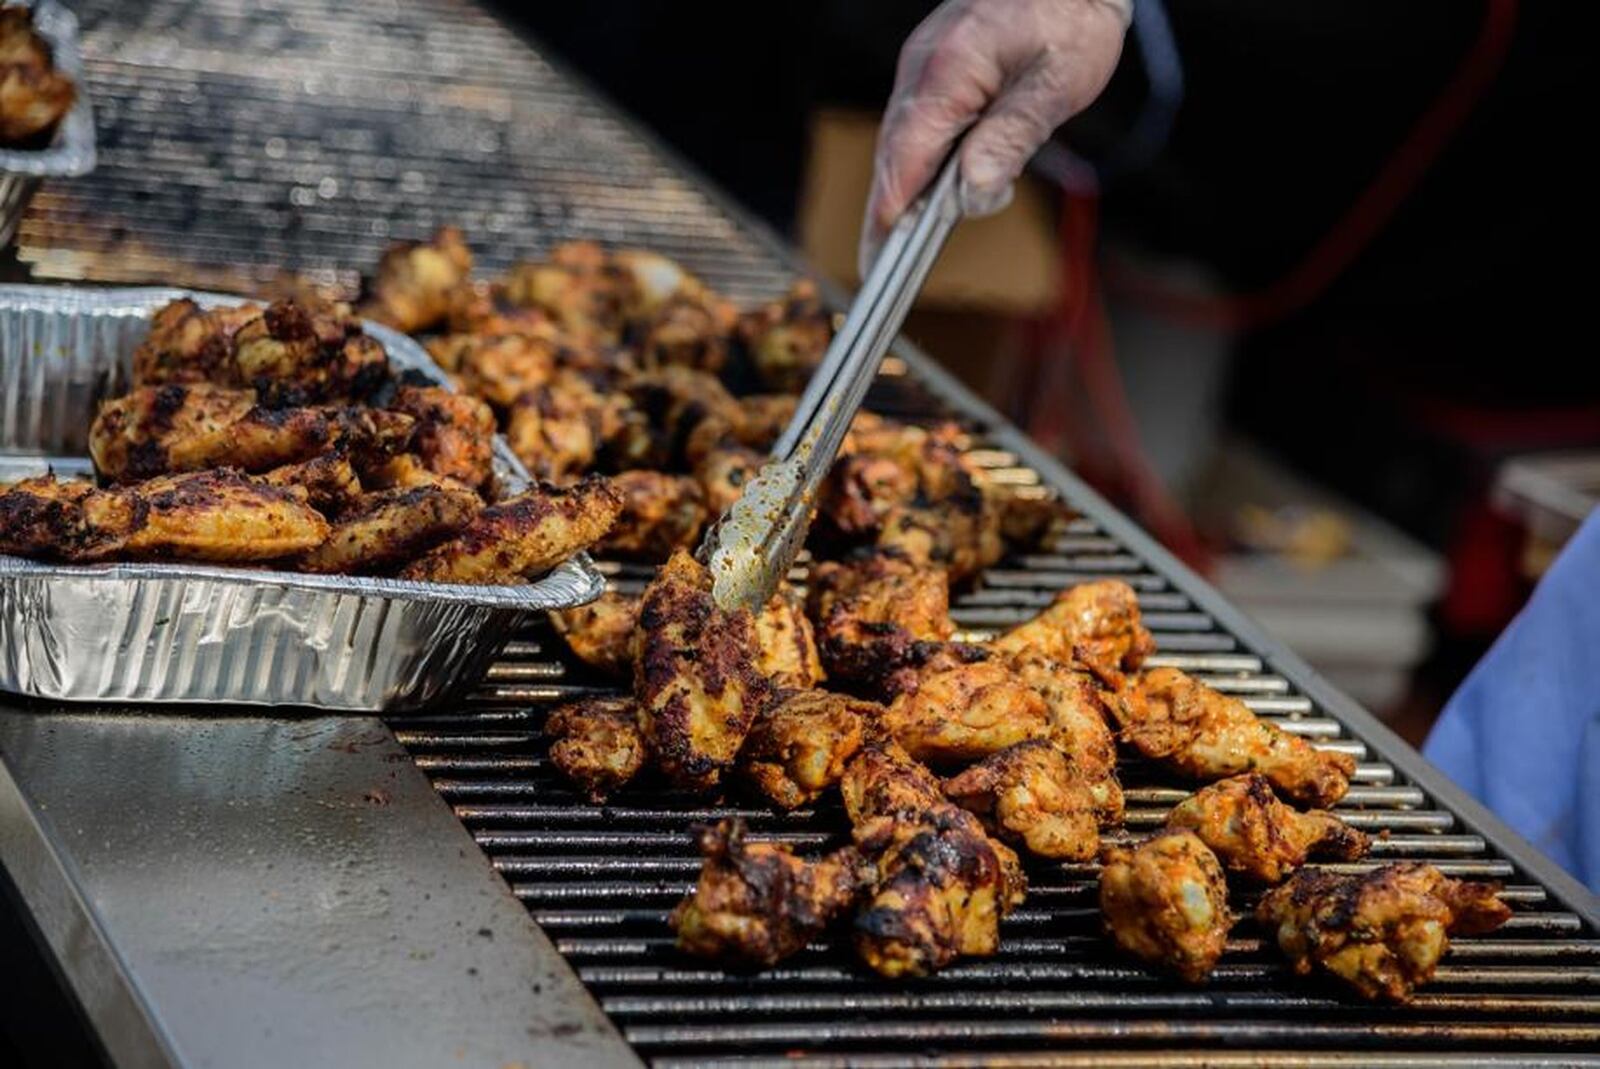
(374, 120)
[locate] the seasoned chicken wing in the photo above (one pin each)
(1076, 707)
(1031, 795)
(786, 649)
(387, 528)
(1165, 902)
(883, 781)
(1095, 625)
(1254, 834)
(522, 536)
(787, 339)
(801, 742)
(1381, 932)
(597, 744)
(558, 429)
(189, 344)
(49, 517)
(685, 331)
(154, 430)
(413, 288)
(723, 473)
(406, 471)
(876, 616)
(34, 96)
(942, 886)
(328, 482)
(1177, 720)
(601, 634)
(661, 513)
(964, 712)
(454, 433)
(696, 681)
(757, 903)
(664, 408)
(296, 353)
(579, 287)
(755, 425)
(500, 368)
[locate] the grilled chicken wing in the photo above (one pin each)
(295, 353)
(757, 903)
(415, 282)
(786, 649)
(523, 535)
(963, 712)
(499, 368)
(558, 429)
(1076, 707)
(601, 634)
(787, 339)
(154, 430)
(883, 781)
(664, 408)
(723, 473)
(1382, 932)
(876, 616)
(1095, 625)
(189, 344)
(755, 424)
(801, 742)
(597, 744)
(1031, 795)
(406, 471)
(454, 433)
(1196, 731)
(218, 516)
(1254, 834)
(686, 331)
(387, 528)
(661, 513)
(579, 287)
(34, 96)
(328, 482)
(1165, 902)
(696, 680)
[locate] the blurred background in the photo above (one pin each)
(1297, 292)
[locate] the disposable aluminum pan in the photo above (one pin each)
(189, 633)
(71, 150)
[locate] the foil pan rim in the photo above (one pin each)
(72, 152)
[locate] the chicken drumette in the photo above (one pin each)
(597, 744)
(696, 680)
(1254, 834)
(601, 634)
(1165, 902)
(1382, 932)
(878, 616)
(965, 711)
(1096, 626)
(1076, 706)
(1031, 795)
(1177, 720)
(757, 903)
(156, 430)
(522, 536)
(415, 282)
(801, 742)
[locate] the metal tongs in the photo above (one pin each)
(750, 549)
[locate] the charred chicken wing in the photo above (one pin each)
(559, 428)
(801, 742)
(1031, 795)
(413, 288)
(188, 344)
(877, 615)
(387, 528)
(661, 513)
(522, 536)
(1076, 707)
(786, 649)
(1382, 932)
(696, 681)
(1165, 902)
(1254, 834)
(787, 339)
(757, 903)
(328, 483)
(500, 368)
(1094, 625)
(1177, 720)
(454, 433)
(597, 744)
(601, 634)
(296, 353)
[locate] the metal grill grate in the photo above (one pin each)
(239, 137)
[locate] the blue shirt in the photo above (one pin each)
(1522, 735)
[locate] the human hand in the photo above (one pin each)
(1013, 71)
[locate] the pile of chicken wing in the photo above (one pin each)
(33, 94)
(279, 434)
(954, 760)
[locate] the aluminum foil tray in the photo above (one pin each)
(71, 152)
(190, 633)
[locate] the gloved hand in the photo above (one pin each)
(1016, 68)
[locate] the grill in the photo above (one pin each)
(375, 121)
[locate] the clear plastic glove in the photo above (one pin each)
(1013, 70)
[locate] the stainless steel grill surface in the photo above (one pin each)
(373, 121)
